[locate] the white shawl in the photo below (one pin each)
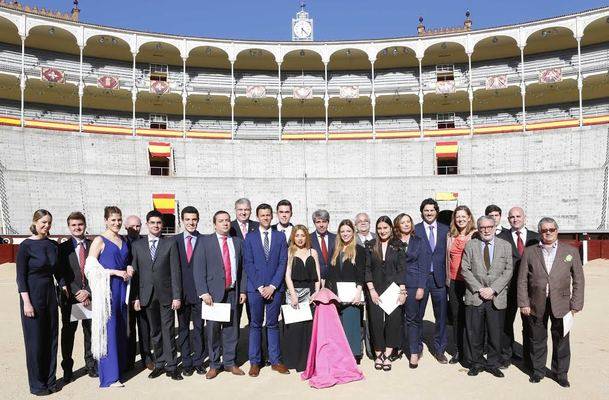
(101, 297)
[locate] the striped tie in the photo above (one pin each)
(267, 245)
(153, 250)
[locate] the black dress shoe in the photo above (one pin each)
(535, 379)
(473, 371)
(67, 377)
(496, 372)
(175, 375)
(454, 359)
(200, 370)
(505, 365)
(441, 358)
(188, 371)
(54, 389)
(564, 382)
(93, 373)
(156, 373)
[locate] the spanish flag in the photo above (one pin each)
(447, 149)
(164, 202)
(447, 196)
(159, 149)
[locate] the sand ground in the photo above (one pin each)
(589, 373)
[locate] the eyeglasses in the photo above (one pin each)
(548, 230)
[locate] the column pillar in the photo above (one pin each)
(22, 82)
(421, 97)
(279, 98)
(232, 99)
(580, 81)
(373, 101)
(133, 97)
(470, 93)
(81, 91)
(523, 90)
(326, 99)
(184, 97)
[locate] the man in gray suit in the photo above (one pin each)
(219, 278)
(158, 286)
(362, 224)
(486, 268)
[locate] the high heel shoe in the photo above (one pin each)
(378, 363)
(386, 367)
(395, 355)
(412, 365)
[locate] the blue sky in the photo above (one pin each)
(334, 19)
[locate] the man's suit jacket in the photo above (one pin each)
(532, 240)
(259, 271)
(235, 229)
(437, 256)
(565, 280)
(70, 268)
(189, 291)
(359, 241)
(476, 276)
(315, 244)
(160, 278)
(209, 268)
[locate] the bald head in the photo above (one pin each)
(133, 224)
(516, 218)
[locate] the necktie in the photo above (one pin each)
(243, 229)
(81, 262)
(153, 250)
(324, 249)
(226, 260)
(188, 249)
(487, 256)
(519, 243)
(267, 245)
(432, 239)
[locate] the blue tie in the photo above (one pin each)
(432, 243)
(267, 245)
(153, 250)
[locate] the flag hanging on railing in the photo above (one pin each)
(164, 202)
(108, 82)
(159, 149)
(159, 87)
(447, 149)
(550, 75)
(496, 82)
(349, 92)
(303, 92)
(445, 87)
(255, 92)
(52, 75)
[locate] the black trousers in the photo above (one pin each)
(139, 333)
(68, 331)
(222, 337)
(191, 344)
(507, 339)
(385, 330)
(456, 292)
(40, 337)
(162, 320)
(479, 320)
(561, 350)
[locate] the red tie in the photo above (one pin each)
(226, 260)
(188, 249)
(519, 244)
(324, 249)
(81, 261)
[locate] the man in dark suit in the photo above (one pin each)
(486, 268)
(219, 278)
(159, 291)
(550, 285)
(139, 327)
(265, 256)
(520, 238)
(322, 240)
(284, 214)
(495, 212)
(243, 225)
(71, 262)
(432, 280)
(188, 245)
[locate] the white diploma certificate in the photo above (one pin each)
(292, 315)
(128, 293)
(219, 312)
(346, 291)
(567, 323)
(389, 298)
(80, 312)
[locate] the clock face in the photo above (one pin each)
(303, 29)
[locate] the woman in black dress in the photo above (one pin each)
(385, 265)
(347, 265)
(36, 267)
(302, 282)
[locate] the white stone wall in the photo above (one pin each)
(550, 173)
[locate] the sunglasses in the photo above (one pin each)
(548, 230)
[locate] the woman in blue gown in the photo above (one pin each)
(112, 252)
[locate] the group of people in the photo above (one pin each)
(477, 274)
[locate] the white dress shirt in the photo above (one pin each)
(523, 235)
(231, 253)
(262, 230)
(286, 230)
(77, 243)
(151, 239)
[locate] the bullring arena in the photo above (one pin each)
(513, 115)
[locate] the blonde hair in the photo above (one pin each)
(454, 231)
(38, 214)
(293, 248)
(349, 252)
